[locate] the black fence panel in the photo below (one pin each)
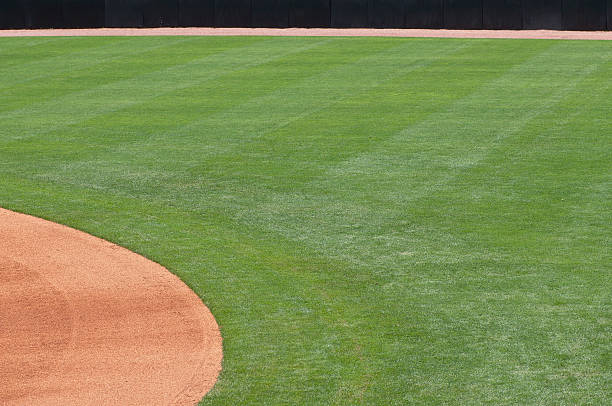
(160, 13)
(463, 14)
(424, 14)
(232, 13)
(502, 14)
(309, 13)
(587, 15)
(124, 13)
(43, 13)
(270, 13)
(349, 13)
(83, 13)
(12, 14)
(543, 14)
(459, 14)
(196, 13)
(386, 13)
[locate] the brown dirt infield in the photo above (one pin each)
(358, 32)
(84, 321)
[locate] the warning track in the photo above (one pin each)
(349, 32)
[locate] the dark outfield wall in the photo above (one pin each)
(460, 14)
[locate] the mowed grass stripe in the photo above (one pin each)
(578, 156)
(318, 149)
(241, 125)
(109, 129)
(580, 153)
(564, 88)
(48, 59)
(81, 53)
(65, 73)
(23, 42)
(227, 97)
(286, 108)
(118, 93)
(381, 149)
(433, 234)
(401, 169)
(123, 78)
(279, 204)
(372, 216)
(466, 216)
(261, 102)
(32, 50)
(571, 142)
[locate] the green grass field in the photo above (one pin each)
(371, 221)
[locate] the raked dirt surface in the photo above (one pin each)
(84, 321)
(351, 32)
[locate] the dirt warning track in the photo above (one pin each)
(84, 321)
(317, 32)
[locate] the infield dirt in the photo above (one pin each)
(84, 321)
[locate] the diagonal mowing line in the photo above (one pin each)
(259, 106)
(88, 95)
(481, 152)
(298, 101)
(75, 60)
(113, 97)
(302, 99)
(368, 168)
(431, 126)
(338, 84)
(21, 42)
(52, 61)
(596, 193)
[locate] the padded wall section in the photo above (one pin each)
(270, 13)
(502, 14)
(43, 13)
(349, 13)
(543, 14)
(160, 13)
(386, 13)
(11, 14)
(424, 14)
(232, 13)
(309, 13)
(196, 13)
(463, 14)
(83, 13)
(124, 13)
(586, 15)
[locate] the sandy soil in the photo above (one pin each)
(368, 32)
(85, 322)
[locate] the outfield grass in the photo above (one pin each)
(372, 221)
